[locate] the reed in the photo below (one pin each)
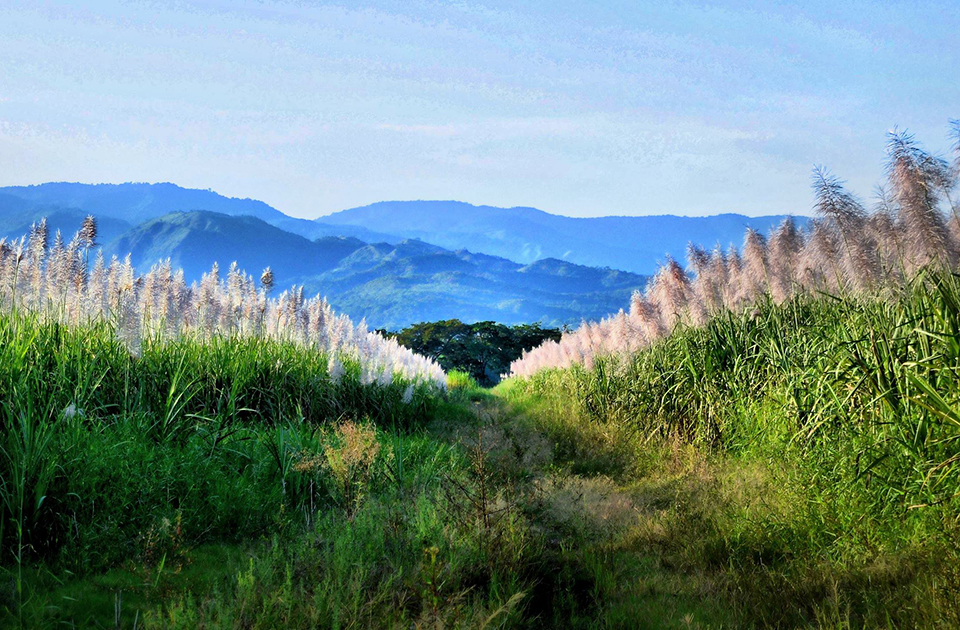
(846, 251)
(55, 282)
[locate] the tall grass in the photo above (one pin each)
(864, 391)
(58, 282)
(825, 360)
(847, 251)
(127, 469)
(129, 398)
(83, 421)
(809, 448)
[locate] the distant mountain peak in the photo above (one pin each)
(526, 235)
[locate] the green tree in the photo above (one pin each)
(484, 349)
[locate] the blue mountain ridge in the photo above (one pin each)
(426, 260)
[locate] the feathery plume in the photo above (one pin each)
(161, 303)
(88, 232)
(785, 247)
(917, 180)
(845, 215)
(39, 238)
(756, 265)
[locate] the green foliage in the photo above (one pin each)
(866, 387)
(457, 380)
(88, 430)
(128, 481)
(807, 449)
(483, 350)
(781, 473)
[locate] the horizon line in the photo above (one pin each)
(382, 201)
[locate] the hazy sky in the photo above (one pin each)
(578, 108)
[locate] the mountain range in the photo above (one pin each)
(634, 244)
(393, 263)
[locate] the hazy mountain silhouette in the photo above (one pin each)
(390, 284)
(195, 240)
(527, 234)
(135, 203)
(17, 215)
(520, 234)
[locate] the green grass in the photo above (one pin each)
(808, 450)
(101, 450)
(793, 467)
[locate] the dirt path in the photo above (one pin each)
(611, 533)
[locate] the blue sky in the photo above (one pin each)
(577, 108)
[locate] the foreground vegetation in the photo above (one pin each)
(125, 478)
(57, 282)
(848, 250)
(809, 449)
(230, 482)
(806, 449)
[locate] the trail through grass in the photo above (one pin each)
(651, 495)
(473, 523)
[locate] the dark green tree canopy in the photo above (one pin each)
(484, 349)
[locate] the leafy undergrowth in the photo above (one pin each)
(468, 522)
(543, 503)
(796, 464)
(677, 536)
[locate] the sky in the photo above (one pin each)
(576, 108)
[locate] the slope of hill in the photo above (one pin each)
(527, 234)
(195, 240)
(137, 202)
(17, 215)
(394, 285)
(134, 203)
(523, 235)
